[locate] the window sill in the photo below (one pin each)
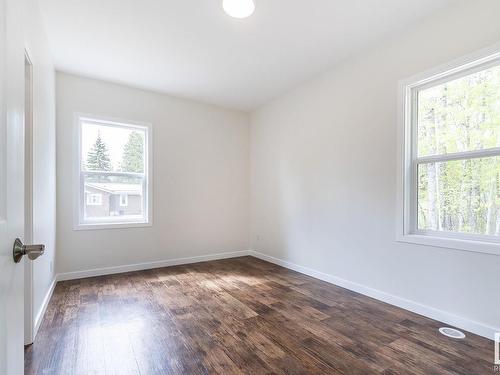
(101, 226)
(476, 246)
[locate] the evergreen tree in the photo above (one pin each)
(98, 157)
(133, 154)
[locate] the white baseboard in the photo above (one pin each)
(430, 312)
(41, 312)
(148, 265)
(418, 308)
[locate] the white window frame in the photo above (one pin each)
(408, 161)
(89, 201)
(125, 204)
(114, 222)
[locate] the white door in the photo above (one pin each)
(11, 185)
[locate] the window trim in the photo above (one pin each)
(407, 230)
(78, 223)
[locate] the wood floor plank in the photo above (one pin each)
(238, 316)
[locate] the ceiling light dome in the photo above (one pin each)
(238, 8)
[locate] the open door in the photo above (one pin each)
(11, 186)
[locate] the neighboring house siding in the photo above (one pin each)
(134, 206)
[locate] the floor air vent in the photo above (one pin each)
(452, 332)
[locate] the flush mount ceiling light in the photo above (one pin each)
(238, 8)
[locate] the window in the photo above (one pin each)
(113, 165)
(94, 199)
(123, 200)
(450, 175)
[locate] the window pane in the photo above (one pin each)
(460, 115)
(460, 196)
(119, 197)
(113, 173)
(112, 148)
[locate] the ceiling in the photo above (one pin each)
(191, 48)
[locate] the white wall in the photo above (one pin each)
(201, 178)
(44, 153)
(323, 175)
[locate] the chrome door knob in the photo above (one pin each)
(33, 251)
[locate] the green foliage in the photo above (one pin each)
(98, 157)
(133, 154)
(461, 115)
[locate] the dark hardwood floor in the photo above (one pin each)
(236, 316)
